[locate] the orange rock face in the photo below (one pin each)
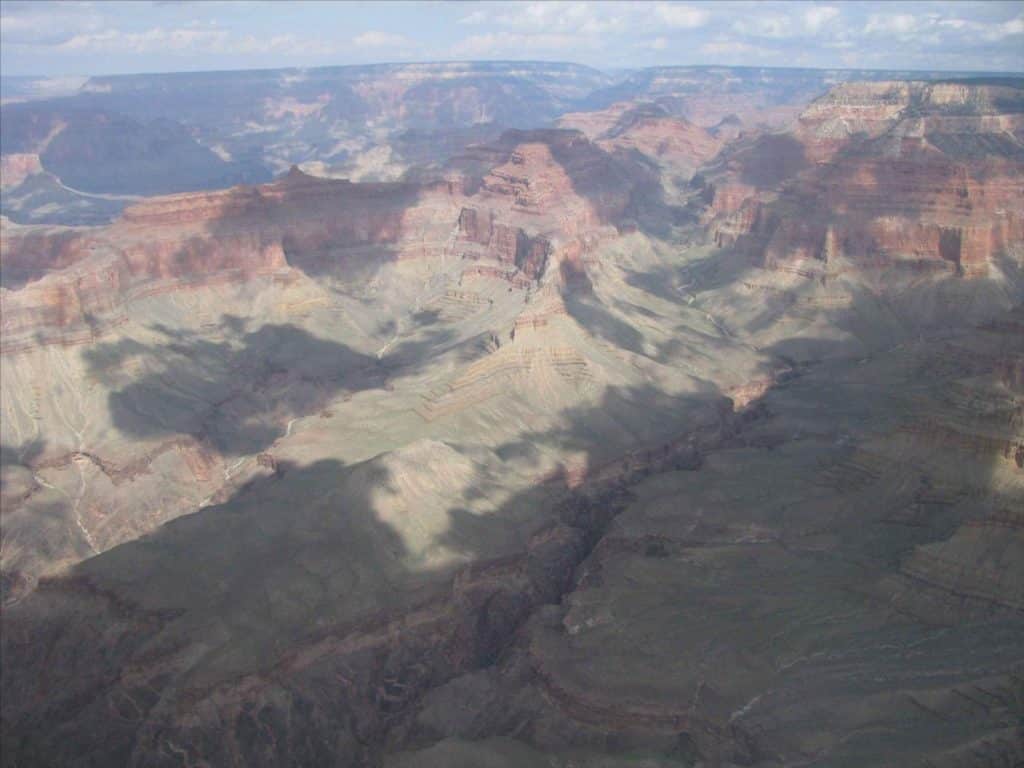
(181, 241)
(648, 129)
(541, 200)
(510, 246)
(15, 168)
(927, 175)
(26, 254)
(542, 190)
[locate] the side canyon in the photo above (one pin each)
(681, 426)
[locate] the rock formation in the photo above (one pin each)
(555, 452)
(650, 130)
(926, 175)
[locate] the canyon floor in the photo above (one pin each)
(670, 434)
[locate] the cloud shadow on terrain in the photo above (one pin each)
(31, 528)
(234, 395)
(24, 454)
(296, 560)
(772, 159)
(256, 576)
(288, 581)
(292, 617)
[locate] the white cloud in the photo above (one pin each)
(897, 24)
(558, 28)
(765, 26)
(513, 43)
(375, 39)
(990, 32)
(151, 40)
(581, 18)
(57, 24)
(778, 27)
(932, 29)
(476, 17)
(726, 47)
(192, 39)
(818, 16)
(1013, 26)
(47, 36)
(681, 16)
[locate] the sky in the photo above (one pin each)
(51, 38)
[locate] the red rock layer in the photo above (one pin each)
(15, 168)
(672, 141)
(28, 253)
(510, 246)
(543, 191)
(80, 279)
(926, 175)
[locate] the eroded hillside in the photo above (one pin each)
(647, 440)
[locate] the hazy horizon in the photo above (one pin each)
(503, 385)
(532, 62)
(50, 39)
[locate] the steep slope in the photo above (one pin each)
(648, 129)
(103, 152)
(159, 133)
(535, 462)
(927, 175)
(190, 336)
(769, 96)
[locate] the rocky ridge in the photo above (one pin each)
(566, 473)
(922, 174)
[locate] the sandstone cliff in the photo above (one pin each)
(877, 175)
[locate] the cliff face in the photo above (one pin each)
(510, 247)
(543, 187)
(27, 254)
(649, 130)
(190, 240)
(16, 167)
(515, 467)
(160, 134)
(929, 175)
(561, 175)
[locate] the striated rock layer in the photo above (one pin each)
(877, 174)
(530, 465)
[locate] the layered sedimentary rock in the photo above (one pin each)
(882, 173)
(374, 265)
(161, 133)
(16, 167)
(551, 185)
(511, 247)
(158, 134)
(650, 130)
(525, 466)
(186, 241)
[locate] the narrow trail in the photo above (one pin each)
(229, 470)
(383, 350)
(79, 459)
(80, 463)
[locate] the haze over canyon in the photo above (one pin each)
(513, 414)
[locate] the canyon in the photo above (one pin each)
(681, 424)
